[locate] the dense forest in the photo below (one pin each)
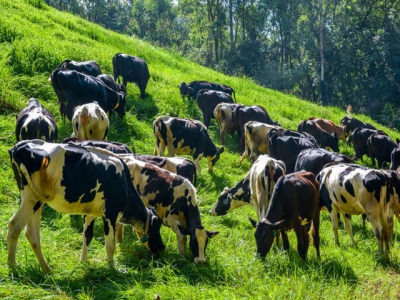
(330, 52)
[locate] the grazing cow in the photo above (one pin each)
(243, 114)
(313, 160)
(254, 189)
(174, 200)
(287, 148)
(352, 190)
(395, 157)
(359, 138)
(380, 147)
(323, 138)
(110, 82)
(207, 100)
(350, 124)
(36, 122)
(75, 180)
(190, 90)
(294, 133)
(294, 205)
(223, 117)
(182, 136)
(90, 122)
(131, 69)
(330, 127)
(255, 139)
(74, 88)
(178, 165)
(89, 67)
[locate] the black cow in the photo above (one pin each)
(243, 114)
(110, 82)
(76, 180)
(395, 157)
(350, 124)
(182, 136)
(190, 90)
(359, 138)
(287, 148)
(36, 122)
(314, 160)
(74, 89)
(294, 204)
(89, 67)
(380, 147)
(131, 69)
(293, 133)
(207, 100)
(323, 138)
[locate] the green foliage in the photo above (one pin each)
(34, 40)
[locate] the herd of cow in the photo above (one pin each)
(292, 177)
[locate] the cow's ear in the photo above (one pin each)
(220, 150)
(183, 230)
(211, 234)
(397, 141)
(254, 223)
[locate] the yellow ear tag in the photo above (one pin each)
(116, 106)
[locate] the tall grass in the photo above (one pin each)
(34, 39)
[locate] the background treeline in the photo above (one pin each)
(279, 44)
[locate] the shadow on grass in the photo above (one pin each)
(143, 109)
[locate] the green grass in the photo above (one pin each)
(34, 39)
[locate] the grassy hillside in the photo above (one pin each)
(34, 39)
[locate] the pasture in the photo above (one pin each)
(34, 39)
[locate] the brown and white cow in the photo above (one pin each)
(256, 139)
(36, 122)
(174, 200)
(75, 180)
(90, 122)
(254, 189)
(223, 117)
(294, 204)
(182, 136)
(351, 189)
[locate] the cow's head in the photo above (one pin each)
(198, 241)
(120, 106)
(183, 88)
(265, 234)
(214, 158)
(151, 237)
(232, 198)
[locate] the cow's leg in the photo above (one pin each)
(119, 232)
(315, 231)
(182, 239)
(87, 235)
(299, 230)
(380, 227)
(109, 235)
(29, 209)
(32, 233)
(207, 120)
(285, 240)
(348, 228)
(335, 221)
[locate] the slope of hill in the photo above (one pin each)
(34, 39)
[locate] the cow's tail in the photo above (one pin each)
(115, 67)
(246, 133)
(157, 135)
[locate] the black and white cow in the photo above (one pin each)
(254, 189)
(174, 200)
(350, 189)
(294, 205)
(36, 122)
(182, 136)
(74, 88)
(75, 180)
(90, 122)
(131, 69)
